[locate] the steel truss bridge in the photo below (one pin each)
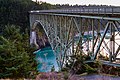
(94, 33)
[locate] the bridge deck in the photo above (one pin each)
(101, 11)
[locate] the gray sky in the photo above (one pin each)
(83, 2)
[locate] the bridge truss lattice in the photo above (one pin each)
(71, 34)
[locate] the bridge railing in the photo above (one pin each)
(95, 10)
(91, 10)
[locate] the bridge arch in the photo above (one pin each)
(38, 35)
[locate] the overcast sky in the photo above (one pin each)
(83, 2)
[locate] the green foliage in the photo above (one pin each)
(11, 32)
(53, 69)
(17, 12)
(16, 56)
(46, 6)
(66, 75)
(89, 69)
(76, 64)
(16, 59)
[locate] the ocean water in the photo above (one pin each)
(46, 60)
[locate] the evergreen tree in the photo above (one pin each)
(16, 58)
